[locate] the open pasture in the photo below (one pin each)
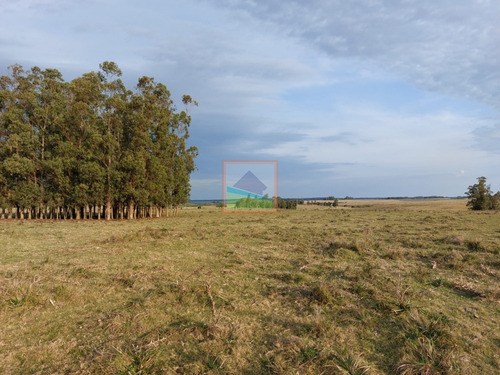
(369, 287)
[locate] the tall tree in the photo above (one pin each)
(481, 197)
(19, 143)
(91, 146)
(113, 107)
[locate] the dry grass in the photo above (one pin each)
(408, 287)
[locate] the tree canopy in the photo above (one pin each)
(91, 147)
(481, 197)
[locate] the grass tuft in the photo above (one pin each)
(349, 364)
(475, 245)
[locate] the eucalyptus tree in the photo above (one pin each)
(7, 103)
(72, 149)
(182, 157)
(82, 120)
(112, 113)
(48, 113)
(136, 146)
(18, 146)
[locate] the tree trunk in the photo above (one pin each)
(108, 208)
(130, 211)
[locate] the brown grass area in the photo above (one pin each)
(369, 287)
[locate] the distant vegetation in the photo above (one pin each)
(252, 203)
(328, 202)
(481, 197)
(91, 148)
(289, 204)
(266, 203)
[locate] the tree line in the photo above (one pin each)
(91, 148)
(329, 202)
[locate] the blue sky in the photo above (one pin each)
(360, 98)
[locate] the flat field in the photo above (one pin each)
(369, 287)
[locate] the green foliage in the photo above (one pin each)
(254, 203)
(91, 142)
(334, 201)
(481, 197)
(328, 203)
(288, 204)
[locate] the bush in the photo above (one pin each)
(481, 197)
(288, 204)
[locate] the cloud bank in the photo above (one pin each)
(369, 98)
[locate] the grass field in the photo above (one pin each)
(369, 287)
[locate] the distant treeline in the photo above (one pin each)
(289, 204)
(91, 148)
(330, 203)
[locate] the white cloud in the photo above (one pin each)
(452, 47)
(329, 85)
(374, 137)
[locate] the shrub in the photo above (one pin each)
(481, 197)
(288, 204)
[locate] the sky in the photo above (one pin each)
(366, 98)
